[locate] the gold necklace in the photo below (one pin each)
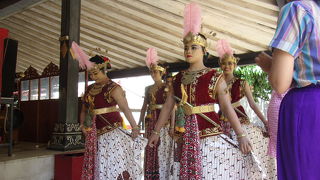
(96, 89)
(230, 83)
(190, 76)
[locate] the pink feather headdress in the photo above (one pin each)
(78, 54)
(225, 51)
(192, 19)
(192, 25)
(152, 60)
(152, 57)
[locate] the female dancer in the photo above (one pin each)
(238, 89)
(110, 151)
(156, 162)
(205, 152)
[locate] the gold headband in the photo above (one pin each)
(195, 39)
(157, 68)
(229, 58)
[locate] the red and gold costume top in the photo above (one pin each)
(236, 88)
(199, 87)
(99, 101)
(156, 96)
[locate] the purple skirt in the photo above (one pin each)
(298, 147)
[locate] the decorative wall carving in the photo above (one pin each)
(66, 137)
(30, 73)
(51, 70)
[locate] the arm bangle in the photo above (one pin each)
(241, 135)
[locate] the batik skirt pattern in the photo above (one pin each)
(260, 148)
(165, 151)
(89, 161)
(119, 156)
(221, 160)
(151, 160)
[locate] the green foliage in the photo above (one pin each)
(257, 79)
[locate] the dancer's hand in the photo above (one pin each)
(135, 132)
(244, 145)
(153, 139)
(266, 132)
(84, 130)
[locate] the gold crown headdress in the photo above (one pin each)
(94, 63)
(192, 26)
(152, 60)
(100, 62)
(100, 59)
(229, 58)
(225, 52)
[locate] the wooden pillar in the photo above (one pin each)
(67, 134)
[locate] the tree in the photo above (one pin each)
(257, 79)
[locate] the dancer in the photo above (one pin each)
(238, 89)
(156, 162)
(106, 140)
(205, 152)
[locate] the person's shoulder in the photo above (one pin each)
(297, 6)
(214, 72)
(243, 83)
(112, 83)
(148, 87)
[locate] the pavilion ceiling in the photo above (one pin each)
(127, 28)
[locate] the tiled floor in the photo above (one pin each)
(26, 150)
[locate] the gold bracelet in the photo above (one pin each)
(136, 128)
(87, 129)
(241, 135)
(155, 132)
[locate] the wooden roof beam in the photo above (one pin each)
(19, 6)
(92, 21)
